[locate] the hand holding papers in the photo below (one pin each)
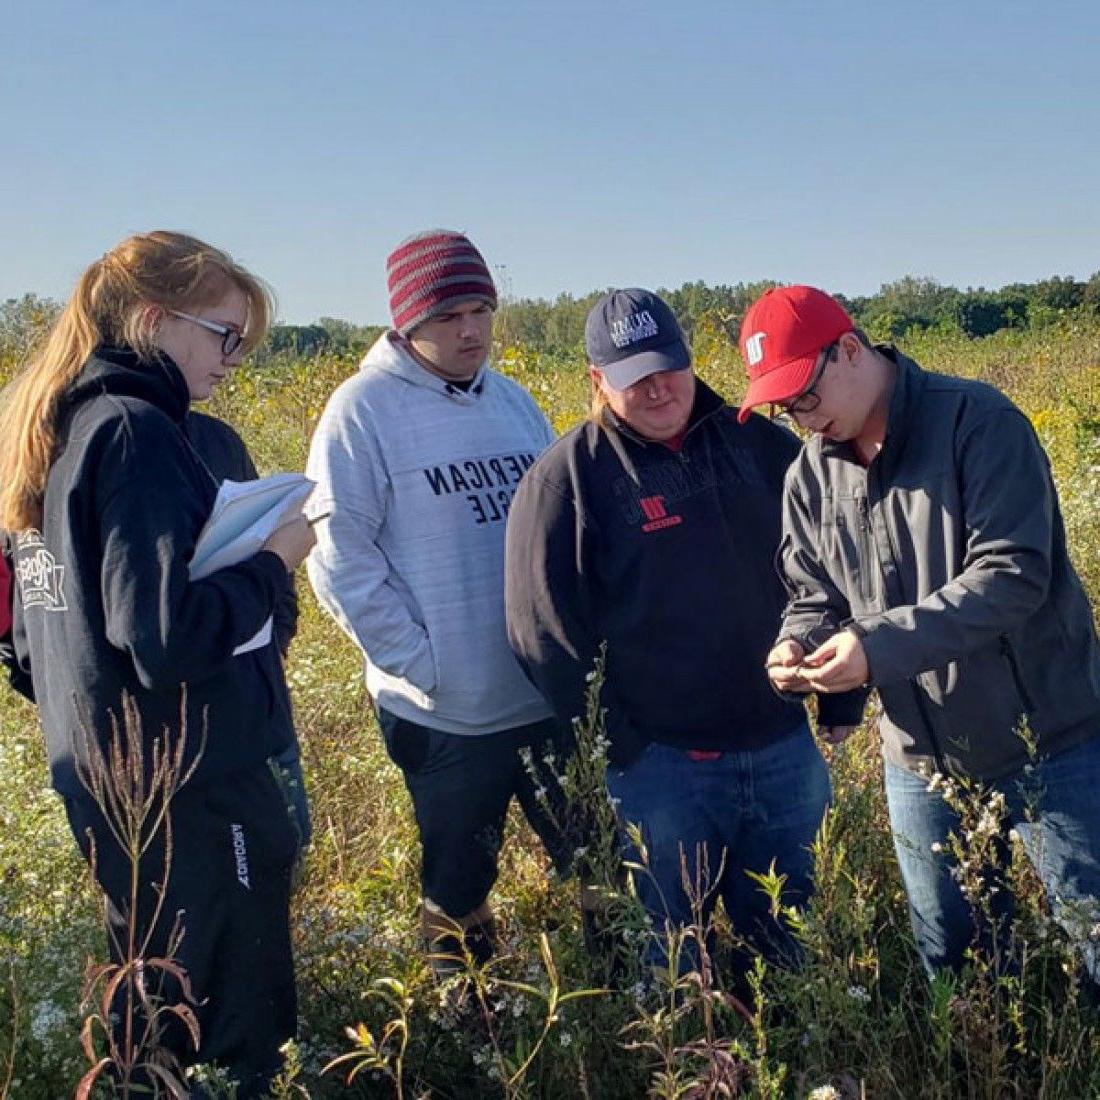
(292, 541)
(244, 517)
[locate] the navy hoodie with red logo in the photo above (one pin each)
(668, 555)
(105, 605)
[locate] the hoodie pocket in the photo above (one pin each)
(424, 669)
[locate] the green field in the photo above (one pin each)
(859, 1019)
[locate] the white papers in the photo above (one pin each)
(245, 515)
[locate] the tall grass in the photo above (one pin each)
(859, 1020)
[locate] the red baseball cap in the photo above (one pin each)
(781, 337)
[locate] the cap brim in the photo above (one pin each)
(626, 372)
(780, 384)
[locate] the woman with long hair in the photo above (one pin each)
(105, 496)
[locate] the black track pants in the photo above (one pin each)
(232, 849)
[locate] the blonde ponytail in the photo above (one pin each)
(110, 305)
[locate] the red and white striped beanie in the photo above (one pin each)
(432, 270)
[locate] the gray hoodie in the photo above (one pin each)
(418, 476)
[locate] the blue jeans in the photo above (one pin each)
(751, 807)
(1062, 842)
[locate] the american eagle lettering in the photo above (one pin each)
(487, 483)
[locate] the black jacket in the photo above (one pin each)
(225, 455)
(669, 557)
(105, 605)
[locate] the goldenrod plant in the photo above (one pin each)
(860, 1019)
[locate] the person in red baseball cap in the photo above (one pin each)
(925, 555)
(781, 338)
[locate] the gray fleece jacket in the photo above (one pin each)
(418, 476)
(948, 556)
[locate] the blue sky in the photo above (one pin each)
(581, 145)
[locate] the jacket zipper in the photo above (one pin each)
(918, 691)
(866, 580)
(1017, 678)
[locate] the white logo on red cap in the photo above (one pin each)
(754, 348)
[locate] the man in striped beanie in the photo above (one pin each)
(416, 459)
(433, 270)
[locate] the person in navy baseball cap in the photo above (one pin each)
(639, 363)
(651, 528)
(633, 333)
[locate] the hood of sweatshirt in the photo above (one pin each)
(389, 355)
(119, 371)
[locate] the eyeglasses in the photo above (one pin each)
(809, 398)
(231, 337)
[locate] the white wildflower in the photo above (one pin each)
(48, 1018)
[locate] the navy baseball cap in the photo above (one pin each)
(632, 333)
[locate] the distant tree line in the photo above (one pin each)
(910, 303)
(913, 302)
(328, 336)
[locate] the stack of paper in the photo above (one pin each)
(245, 515)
